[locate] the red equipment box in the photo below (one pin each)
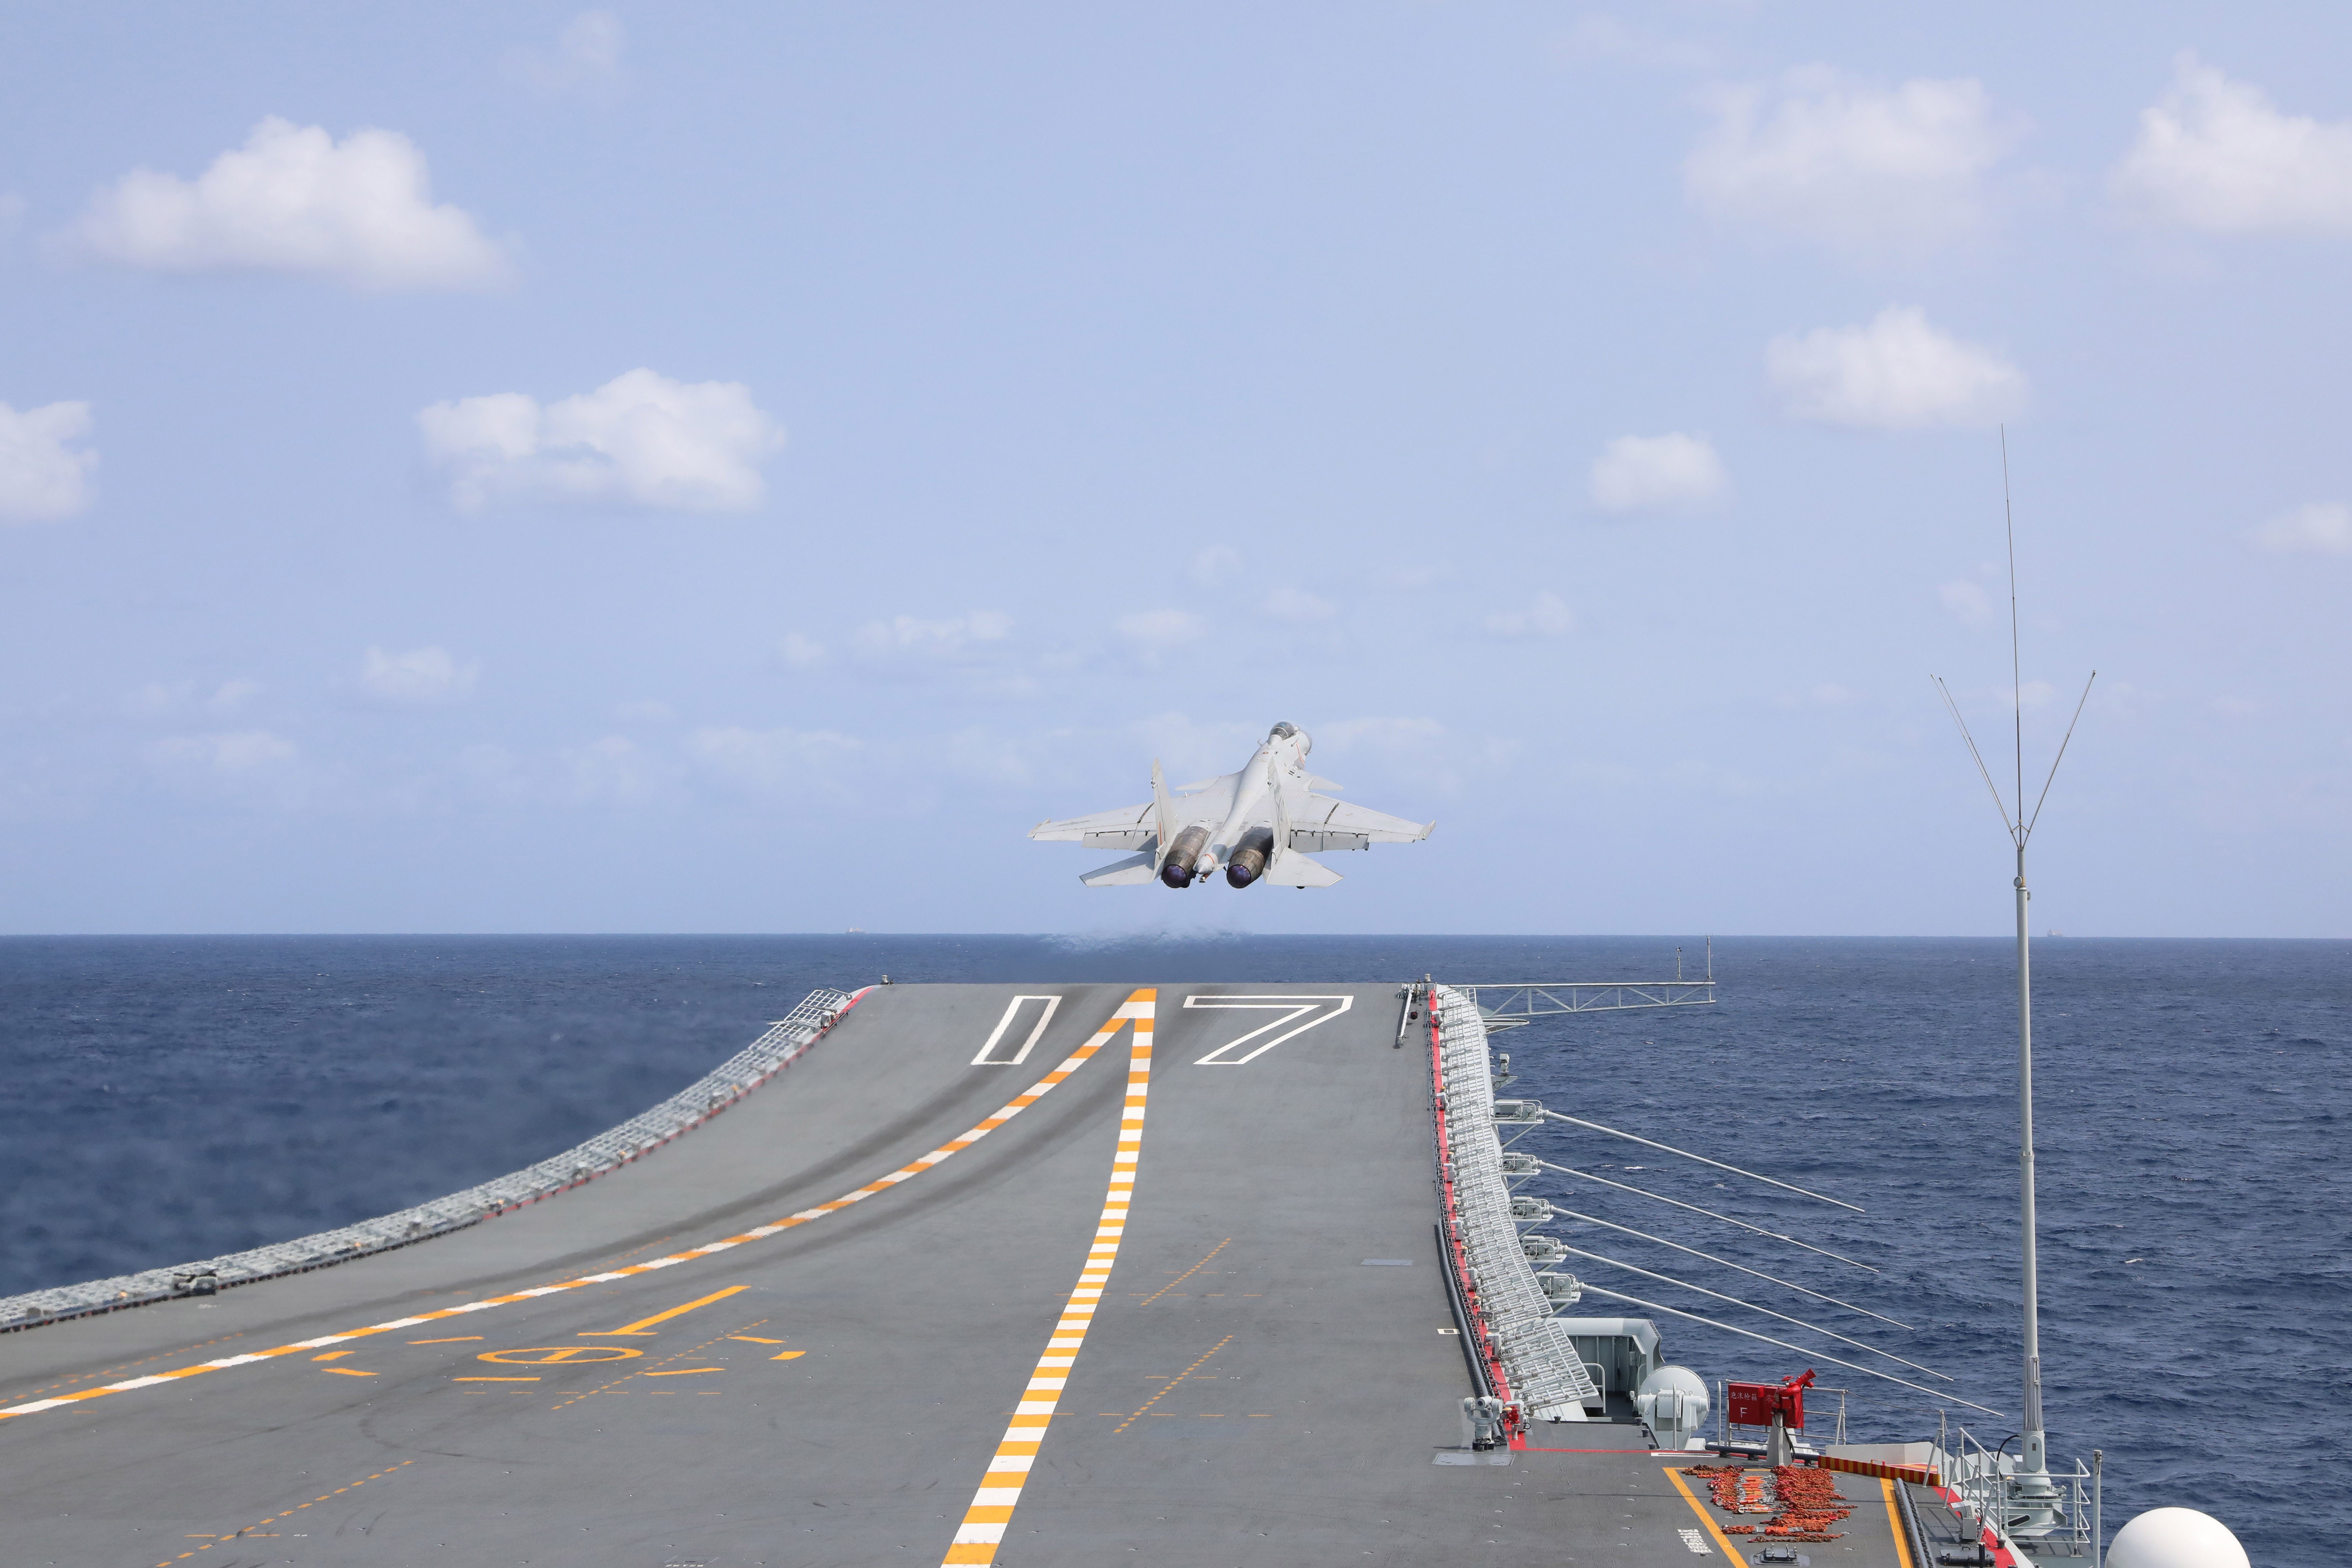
(1755, 1404)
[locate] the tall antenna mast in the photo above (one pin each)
(2034, 1497)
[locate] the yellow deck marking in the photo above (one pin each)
(915, 1167)
(754, 1339)
(788, 1355)
(690, 1351)
(548, 1355)
(253, 1529)
(347, 1372)
(1674, 1475)
(331, 1355)
(643, 1327)
(1894, 1524)
(461, 1339)
(1171, 1382)
(683, 1372)
(1187, 1274)
(976, 1540)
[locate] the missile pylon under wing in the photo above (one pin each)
(1263, 823)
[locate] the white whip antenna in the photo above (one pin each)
(2034, 1502)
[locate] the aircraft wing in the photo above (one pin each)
(1104, 830)
(1324, 823)
(1133, 827)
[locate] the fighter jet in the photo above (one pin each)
(1260, 824)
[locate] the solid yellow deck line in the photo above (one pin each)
(915, 1167)
(643, 1327)
(1894, 1524)
(1704, 1518)
(999, 1494)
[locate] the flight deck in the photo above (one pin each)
(1029, 1275)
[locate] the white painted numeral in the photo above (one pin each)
(1013, 1011)
(1292, 1008)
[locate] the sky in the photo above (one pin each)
(736, 468)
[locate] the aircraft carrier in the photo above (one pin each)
(1152, 1273)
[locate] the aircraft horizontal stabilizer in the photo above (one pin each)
(1134, 869)
(1291, 869)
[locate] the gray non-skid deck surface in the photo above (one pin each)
(1252, 1392)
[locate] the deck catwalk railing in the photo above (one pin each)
(1510, 1306)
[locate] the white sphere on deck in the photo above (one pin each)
(2175, 1538)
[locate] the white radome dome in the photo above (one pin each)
(2175, 1538)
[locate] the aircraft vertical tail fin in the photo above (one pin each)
(1163, 812)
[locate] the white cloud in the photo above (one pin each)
(1897, 373)
(1216, 565)
(250, 763)
(232, 695)
(2318, 528)
(773, 761)
(908, 639)
(1597, 37)
(639, 440)
(160, 699)
(986, 757)
(1547, 617)
(586, 61)
(1378, 734)
(1296, 604)
(612, 771)
(420, 677)
(494, 772)
(1674, 472)
(1156, 631)
(44, 475)
(1966, 601)
(801, 652)
(1194, 749)
(2215, 155)
(1863, 170)
(293, 199)
(241, 752)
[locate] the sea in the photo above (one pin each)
(171, 1098)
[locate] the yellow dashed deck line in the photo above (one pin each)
(1011, 1108)
(1171, 1382)
(977, 1538)
(643, 1372)
(1187, 1274)
(248, 1532)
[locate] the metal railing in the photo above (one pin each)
(1539, 1361)
(1517, 1005)
(633, 1138)
(1985, 1493)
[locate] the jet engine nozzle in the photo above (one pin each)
(1176, 870)
(1247, 862)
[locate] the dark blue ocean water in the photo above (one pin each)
(174, 1098)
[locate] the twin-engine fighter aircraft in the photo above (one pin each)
(1259, 824)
